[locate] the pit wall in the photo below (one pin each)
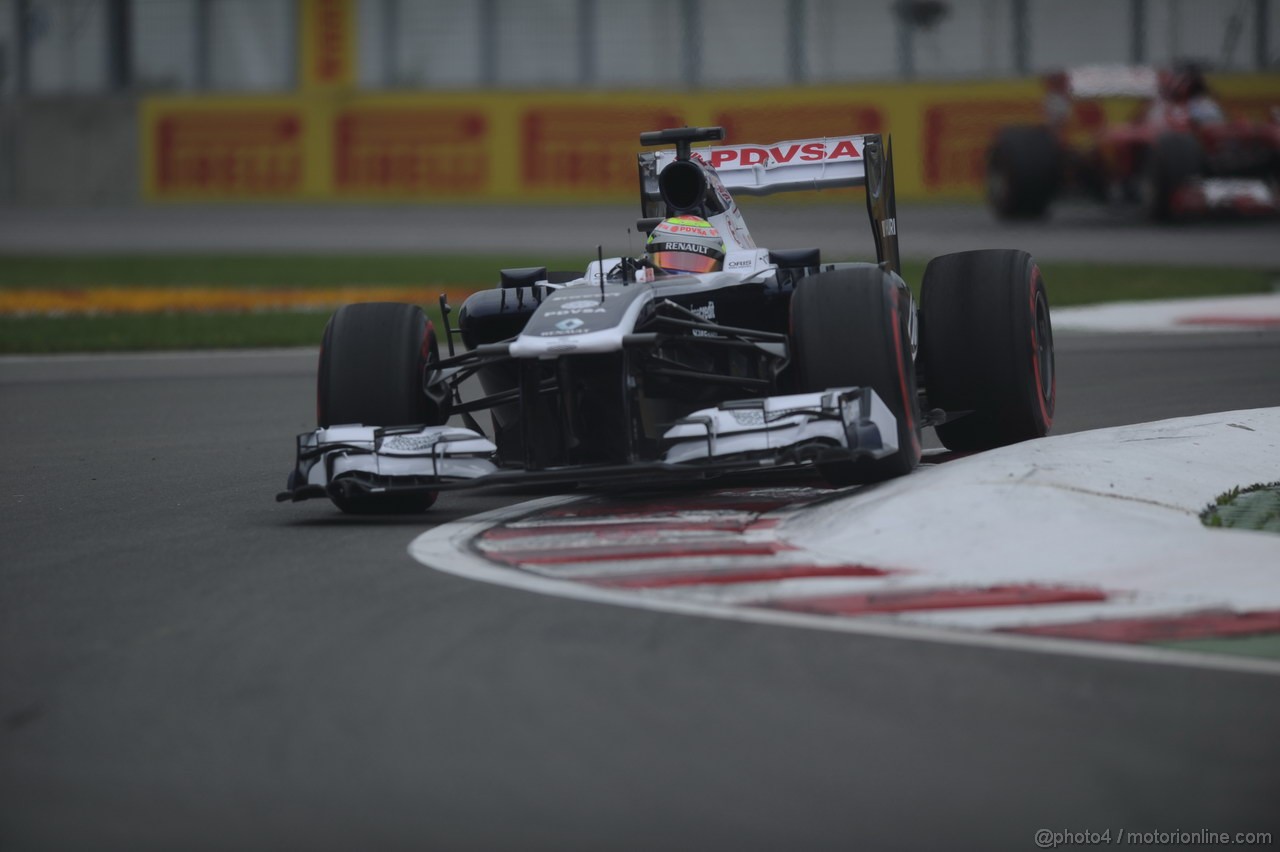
(547, 147)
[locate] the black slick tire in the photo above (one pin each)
(372, 362)
(1024, 171)
(1173, 161)
(986, 348)
(852, 327)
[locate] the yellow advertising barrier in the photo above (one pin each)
(198, 149)
(508, 147)
(327, 44)
(395, 146)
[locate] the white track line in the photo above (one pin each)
(1226, 313)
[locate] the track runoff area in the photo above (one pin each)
(1085, 544)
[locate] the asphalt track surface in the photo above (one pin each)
(185, 664)
(839, 228)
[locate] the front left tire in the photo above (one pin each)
(986, 348)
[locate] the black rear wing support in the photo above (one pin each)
(882, 205)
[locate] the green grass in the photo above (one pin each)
(1254, 508)
(139, 332)
(1069, 284)
(1093, 283)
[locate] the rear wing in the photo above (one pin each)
(802, 164)
(1105, 81)
(781, 167)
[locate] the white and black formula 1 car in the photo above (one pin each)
(627, 373)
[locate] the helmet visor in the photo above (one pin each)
(684, 261)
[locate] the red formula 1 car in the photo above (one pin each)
(1179, 155)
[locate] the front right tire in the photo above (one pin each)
(373, 361)
(851, 327)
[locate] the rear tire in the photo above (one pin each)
(986, 347)
(852, 327)
(373, 359)
(1024, 171)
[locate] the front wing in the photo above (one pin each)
(834, 425)
(1244, 196)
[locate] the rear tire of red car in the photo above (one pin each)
(372, 362)
(986, 348)
(1024, 171)
(851, 327)
(1173, 161)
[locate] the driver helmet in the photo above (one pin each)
(685, 244)
(1184, 82)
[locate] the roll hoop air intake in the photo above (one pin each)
(684, 185)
